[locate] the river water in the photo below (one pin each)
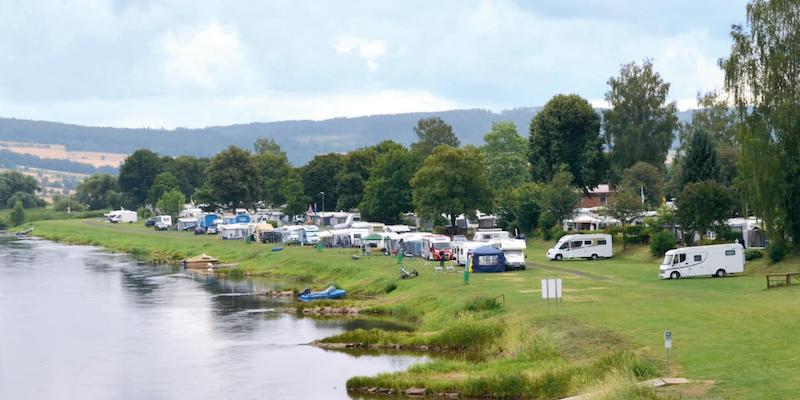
(78, 323)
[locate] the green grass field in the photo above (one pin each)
(732, 336)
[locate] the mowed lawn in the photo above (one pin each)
(732, 331)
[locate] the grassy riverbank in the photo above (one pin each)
(735, 338)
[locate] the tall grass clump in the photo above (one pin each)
(482, 303)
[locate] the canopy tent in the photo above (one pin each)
(373, 237)
(488, 259)
(263, 227)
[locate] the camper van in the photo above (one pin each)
(587, 246)
(434, 245)
(163, 222)
(715, 260)
(118, 216)
(514, 250)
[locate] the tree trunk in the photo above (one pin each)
(453, 221)
(623, 236)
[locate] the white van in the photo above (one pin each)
(514, 251)
(715, 260)
(588, 246)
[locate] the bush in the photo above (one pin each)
(482, 303)
(553, 233)
(3, 224)
(750, 255)
(661, 242)
(776, 250)
(390, 287)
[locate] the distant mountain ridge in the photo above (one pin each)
(301, 139)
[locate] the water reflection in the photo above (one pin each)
(79, 323)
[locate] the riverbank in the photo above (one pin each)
(607, 334)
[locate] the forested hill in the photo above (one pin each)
(300, 139)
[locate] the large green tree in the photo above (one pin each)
(559, 199)
(567, 132)
(292, 190)
(319, 176)
(268, 146)
(171, 202)
(432, 132)
(703, 206)
(700, 163)
(163, 183)
(520, 208)
(232, 178)
(137, 173)
(452, 181)
(644, 178)
(387, 192)
(189, 172)
(353, 176)
(99, 192)
(506, 162)
(12, 183)
(761, 74)
(640, 124)
(274, 168)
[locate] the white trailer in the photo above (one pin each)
(715, 260)
(462, 250)
(514, 251)
(587, 246)
(122, 216)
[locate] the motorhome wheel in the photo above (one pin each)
(674, 275)
(721, 273)
(594, 257)
(558, 257)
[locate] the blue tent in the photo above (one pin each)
(488, 259)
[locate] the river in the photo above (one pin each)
(79, 323)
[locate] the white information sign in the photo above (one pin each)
(667, 340)
(551, 288)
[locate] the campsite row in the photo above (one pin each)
(350, 233)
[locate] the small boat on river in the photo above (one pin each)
(330, 293)
(25, 232)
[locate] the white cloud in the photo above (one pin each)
(368, 50)
(210, 57)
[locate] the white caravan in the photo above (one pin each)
(589, 246)
(123, 215)
(715, 260)
(514, 251)
(462, 250)
(486, 235)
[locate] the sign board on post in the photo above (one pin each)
(667, 340)
(551, 288)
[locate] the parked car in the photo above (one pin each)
(211, 230)
(150, 222)
(163, 223)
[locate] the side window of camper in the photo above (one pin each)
(698, 257)
(601, 241)
(730, 252)
(587, 242)
(575, 245)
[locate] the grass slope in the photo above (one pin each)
(607, 333)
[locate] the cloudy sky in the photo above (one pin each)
(196, 63)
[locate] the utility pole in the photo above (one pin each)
(323, 200)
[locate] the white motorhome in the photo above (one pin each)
(514, 251)
(715, 260)
(123, 216)
(434, 245)
(486, 235)
(462, 249)
(587, 246)
(163, 222)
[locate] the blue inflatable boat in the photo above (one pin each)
(330, 293)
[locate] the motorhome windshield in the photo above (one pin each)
(667, 260)
(441, 246)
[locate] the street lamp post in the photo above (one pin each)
(323, 200)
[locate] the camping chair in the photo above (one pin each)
(405, 274)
